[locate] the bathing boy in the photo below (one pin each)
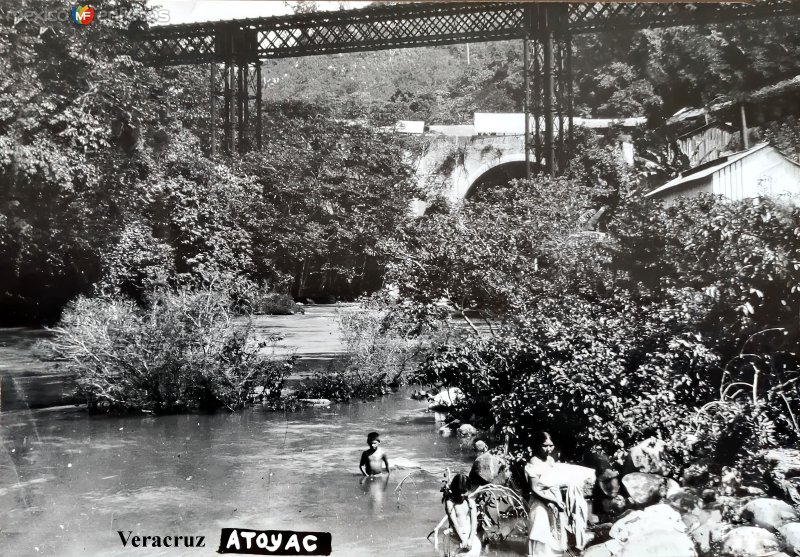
(373, 459)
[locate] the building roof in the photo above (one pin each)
(764, 93)
(704, 170)
(776, 89)
(721, 125)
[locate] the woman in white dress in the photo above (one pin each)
(548, 536)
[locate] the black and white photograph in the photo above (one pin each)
(399, 279)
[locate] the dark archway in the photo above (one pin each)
(499, 176)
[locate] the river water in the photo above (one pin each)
(69, 481)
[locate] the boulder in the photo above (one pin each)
(696, 474)
(770, 514)
(791, 536)
(719, 531)
(467, 430)
(659, 543)
(648, 457)
(783, 472)
(445, 398)
(485, 469)
(655, 518)
(656, 531)
(749, 541)
(751, 490)
(684, 500)
(611, 548)
(646, 489)
(701, 524)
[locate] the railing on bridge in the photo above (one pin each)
(545, 28)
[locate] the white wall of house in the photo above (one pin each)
(761, 172)
(764, 173)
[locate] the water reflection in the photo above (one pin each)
(375, 489)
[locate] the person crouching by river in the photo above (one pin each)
(548, 536)
(463, 517)
(487, 468)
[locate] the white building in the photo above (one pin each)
(761, 171)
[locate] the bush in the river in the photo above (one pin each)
(184, 350)
(344, 384)
(250, 297)
(380, 349)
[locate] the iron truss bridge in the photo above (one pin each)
(545, 28)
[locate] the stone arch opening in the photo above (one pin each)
(499, 176)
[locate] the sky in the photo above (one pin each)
(192, 11)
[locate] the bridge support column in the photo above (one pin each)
(241, 85)
(241, 103)
(549, 94)
(212, 132)
(526, 109)
(258, 105)
(548, 58)
(228, 114)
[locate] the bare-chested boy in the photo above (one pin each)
(373, 459)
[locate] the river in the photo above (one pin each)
(69, 482)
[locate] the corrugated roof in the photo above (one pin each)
(704, 127)
(764, 93)
(780, 88)
(705, 170)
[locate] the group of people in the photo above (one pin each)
(547, 536)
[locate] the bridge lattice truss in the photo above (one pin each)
(545, 28)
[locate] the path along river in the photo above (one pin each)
(69, 481)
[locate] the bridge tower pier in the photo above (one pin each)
(547, 60)
(236, 93)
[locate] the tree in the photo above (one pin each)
(72, 110)
(327, 194)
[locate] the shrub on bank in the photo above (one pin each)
(381, 348)
(183, 350)
(249, 297)
(345, 384)
(597, 378)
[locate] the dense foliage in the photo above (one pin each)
(598, 377)
(105, 185)
(182, 351)
(325, 194)
(678, 321)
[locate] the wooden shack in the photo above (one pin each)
(707, 143)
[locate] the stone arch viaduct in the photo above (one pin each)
(454, 165)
